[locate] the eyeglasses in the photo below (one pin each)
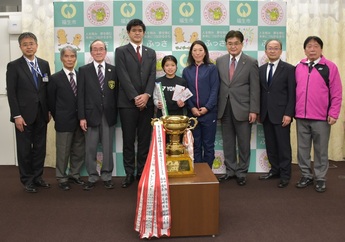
(30, 44)
(98, 50)
(273, 49)
(237, 43)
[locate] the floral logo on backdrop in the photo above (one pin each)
(98, 13)
(272, 13)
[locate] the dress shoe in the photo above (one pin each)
(304, 182)
(108, 184)
(128, 181)
(320, 186)
(77, 181)
(42, 183)
(88, 186)
(225, 177)
(268, 176)
(241, 181)
(138, 177)
(283, 183)
(64, 186)
(31, 188)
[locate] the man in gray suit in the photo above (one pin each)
(238, 105)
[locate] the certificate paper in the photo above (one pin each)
(181, 93)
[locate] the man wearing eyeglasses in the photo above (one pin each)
(97, 112)
(277, 108)
(238, 105)
(26, 80)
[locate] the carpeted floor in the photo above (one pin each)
(258, 211)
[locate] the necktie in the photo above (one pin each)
(270, 74)
(100, 76)
(232, 68)
(72, 82)
(34, 73)
(138, 53)
(311, 66)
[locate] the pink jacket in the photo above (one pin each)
(314, 99)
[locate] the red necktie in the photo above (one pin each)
(138, 53)
(232, 68)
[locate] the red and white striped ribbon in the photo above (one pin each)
(153, 216)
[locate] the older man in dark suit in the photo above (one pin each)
(278, 93)
(136, 70)
(70, 140)
(238, 105)
(26, 80)
(97, 112)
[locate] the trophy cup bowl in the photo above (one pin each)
(175, 125)
(179, 163)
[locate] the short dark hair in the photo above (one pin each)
(316, 38)
(68, 47)
(234, 34)
(26, 35)
(135, 22)
(168, 57)
(105, 46)
(206, 60)
(270, 40)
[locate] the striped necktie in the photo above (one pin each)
(100, 76)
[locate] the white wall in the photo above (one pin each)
(9, 51)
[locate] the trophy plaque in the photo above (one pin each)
(179, 163)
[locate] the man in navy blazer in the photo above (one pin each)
(97, 112)
(70, 140)
(277, 110)
(26, 80)
(136, 70)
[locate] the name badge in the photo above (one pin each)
(45, 77)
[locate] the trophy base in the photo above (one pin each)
(180, 165)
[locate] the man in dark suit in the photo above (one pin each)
(26, 80)
(70, 140)
(238, 105)
(278, 93)
(97, 112)
(136, 70)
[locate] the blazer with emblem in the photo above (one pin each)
(23, 97)
(62, 102)
(244, 89)
(278, 99)
(135, 78)
(92, 101)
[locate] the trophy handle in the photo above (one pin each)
(195, 123)
(153, 120)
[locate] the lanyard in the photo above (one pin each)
(37, 69)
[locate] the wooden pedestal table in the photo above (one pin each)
(194, 203)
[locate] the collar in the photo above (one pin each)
(68, 71)
(96, 64)
(236, 57)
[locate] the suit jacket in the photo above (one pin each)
(92, 101)
(23, 96)
(62, 103)
(244, 89)
(278, 99)
(135, 78)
